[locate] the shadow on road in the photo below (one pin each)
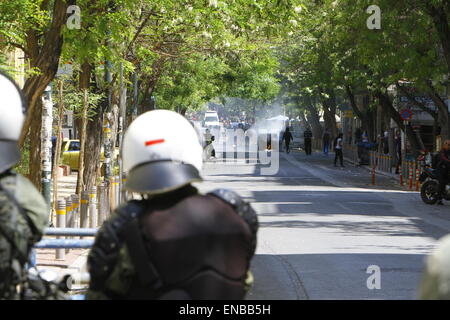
(334, 276)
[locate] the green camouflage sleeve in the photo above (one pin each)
(33, 203)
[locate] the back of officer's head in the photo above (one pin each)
(161, 152)
(12, 115)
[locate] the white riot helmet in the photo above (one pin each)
(161, 152)
(12, 116)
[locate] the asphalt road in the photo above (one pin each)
(321, 228)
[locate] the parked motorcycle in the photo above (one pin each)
(430, 182)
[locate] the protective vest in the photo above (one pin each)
(181, 245)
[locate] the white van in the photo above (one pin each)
(211, 120)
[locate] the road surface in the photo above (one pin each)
(321, 228)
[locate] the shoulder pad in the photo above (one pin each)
(229, 196)
(243, 209)
(131, 209)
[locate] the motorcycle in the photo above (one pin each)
(429, 180)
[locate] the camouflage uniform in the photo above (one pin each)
(436, 279)
(23, 217)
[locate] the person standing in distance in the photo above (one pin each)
(175, 243)
(307, 137)
(443, 170)
(287, 137)
(338, 142)
(24, 214)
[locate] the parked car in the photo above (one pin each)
(70, 153)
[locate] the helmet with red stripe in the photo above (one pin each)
(161, 152)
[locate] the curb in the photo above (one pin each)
(386, 174)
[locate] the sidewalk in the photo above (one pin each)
(75, 259)
(351, 174)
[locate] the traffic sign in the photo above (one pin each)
(406, 114)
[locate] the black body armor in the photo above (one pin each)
(180, 245)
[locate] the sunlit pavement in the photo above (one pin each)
(321, 227)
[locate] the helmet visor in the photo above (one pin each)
(160, 177)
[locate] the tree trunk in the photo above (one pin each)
(329, 110)
(441, 24)
(443, 115)
(55, 170)
(93, 144)
(388, 108)
(83, 138)
(43, 52)
(35, 146)
(157, 69)
(94, 130)
(366, 122)
(314, 120)
(44, 57)
(84, 84)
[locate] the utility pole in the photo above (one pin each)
(122, 126)
(106, 121)
(46, 143)
(135, 96)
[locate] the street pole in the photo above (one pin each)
(57, 155)
(106, 123)
(46, 142)
(135, 96)
(122, 125)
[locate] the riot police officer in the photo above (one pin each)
(23, 211)
(174, 243)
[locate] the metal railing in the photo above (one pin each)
(79, 216)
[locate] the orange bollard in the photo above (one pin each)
(417, 179)
(373, 175)
(401, 175)
(410, 180)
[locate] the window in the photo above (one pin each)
(211, 119)
(74, 146)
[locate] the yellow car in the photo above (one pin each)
(70, 153)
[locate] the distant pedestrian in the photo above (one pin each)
(326, 141)
(358, 135)
(398, 151)
(287, 137)
(338, 150)
(385, 141)
(308, 137)
(208, 146)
